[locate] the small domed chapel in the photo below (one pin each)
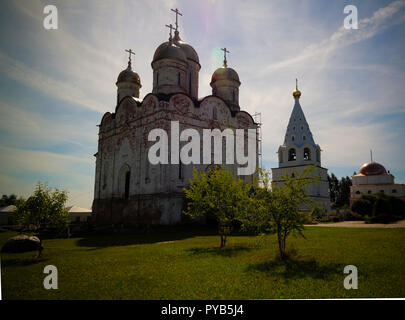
(129, 190)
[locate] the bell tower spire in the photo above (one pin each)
(296, 93)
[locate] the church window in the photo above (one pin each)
(302, 128)
(304, 137)
(292, 138)
(307, 154)
(292, 156)
(124, 176)
(394, 190)
(105, 175)
(127, 181)
(147, 166)
(294, 128)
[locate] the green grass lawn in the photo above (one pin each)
(181, 263)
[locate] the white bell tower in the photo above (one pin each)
(300, 150)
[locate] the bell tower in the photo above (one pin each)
(298, 151)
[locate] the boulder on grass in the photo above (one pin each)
(23, 243)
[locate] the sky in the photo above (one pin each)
(55, 85)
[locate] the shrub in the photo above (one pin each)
(362, 206)
(380, 208)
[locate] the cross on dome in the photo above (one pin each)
(225, 52)
(129, 58)
(177, 12)
(170, 26)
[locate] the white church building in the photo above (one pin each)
(129, 189)
(297, 152)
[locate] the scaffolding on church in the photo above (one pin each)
(257, 117)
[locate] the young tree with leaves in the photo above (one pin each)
(277, 209)
(45, 208)
(217, 193)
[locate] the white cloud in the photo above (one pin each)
(368, 28)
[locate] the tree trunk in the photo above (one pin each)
(222, 241)
(280, 246)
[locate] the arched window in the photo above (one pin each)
(292, 156)
(124, 178)
(189, 84)
(178, 78)
(307, 154)
(233, 96)
(292, 138)
(304, 138)
(127, 181)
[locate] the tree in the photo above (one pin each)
(8, 200)
(44, 209)
(339, 190)
(217, 193)
(333, 187)
(278, 209)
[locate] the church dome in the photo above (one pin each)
(297, 94)
(189, 51)
(372, 169)
(225, 73)
(169, 50)
(128, 75)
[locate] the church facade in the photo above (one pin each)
(129, 190)
(298, 151)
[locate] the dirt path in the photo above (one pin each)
(359, 224)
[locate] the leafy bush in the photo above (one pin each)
(362, 206)
(379, 208)
(44, 210)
